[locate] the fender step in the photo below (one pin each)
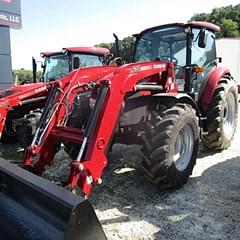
(32, 208)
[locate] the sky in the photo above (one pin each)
(50, 25)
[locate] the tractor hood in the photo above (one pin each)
(31, 89)
(15, 95)
(105, 72)
(140, 70)
(86, 75)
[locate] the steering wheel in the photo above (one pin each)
(117, 61)
(169, 59)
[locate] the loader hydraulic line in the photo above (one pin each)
(94, 117)
(103, 90)
(52, 93)
(33, 100)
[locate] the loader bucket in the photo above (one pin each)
(32, 208)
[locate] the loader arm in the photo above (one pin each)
(112, 85)
(92, 164)
(56, 108)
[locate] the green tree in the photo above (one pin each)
(229, 28)
(125, 48)
(228, 18)
(23, 76)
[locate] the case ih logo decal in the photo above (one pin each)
(161, 66)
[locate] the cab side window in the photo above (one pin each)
(203, 56)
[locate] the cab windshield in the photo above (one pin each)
(181, 46)
(166, 44)
(88, 60)
(58, 66)
(55, 67)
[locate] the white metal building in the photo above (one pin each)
(229, 50)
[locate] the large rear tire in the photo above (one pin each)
(222, 116)
(170, 145)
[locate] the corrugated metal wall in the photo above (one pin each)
(229, 50)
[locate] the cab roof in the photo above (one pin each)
(195, 24)
(89, 50)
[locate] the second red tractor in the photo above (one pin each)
(21, 106)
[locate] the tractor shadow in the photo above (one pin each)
(209, 203)
(206, 207)
(204, 152)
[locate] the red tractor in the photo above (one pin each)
(173, 96)
(21, 106)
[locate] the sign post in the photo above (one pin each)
(10, 17)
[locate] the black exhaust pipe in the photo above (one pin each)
(34, 70)
(32, 208)
(117, 54)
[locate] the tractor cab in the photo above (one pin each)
(191, 47)
(59, 64)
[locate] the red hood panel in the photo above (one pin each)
(21, 89)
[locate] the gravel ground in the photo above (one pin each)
(207, 207)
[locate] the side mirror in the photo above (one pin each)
(219, 59)
(43, 65)
(76, 62)
(202, 38)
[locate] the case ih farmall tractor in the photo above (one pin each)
(173, 96)
(21, 106)
(170, 99)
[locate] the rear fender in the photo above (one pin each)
(178, 98)
(211, 83)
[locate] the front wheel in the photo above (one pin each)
(170, 145)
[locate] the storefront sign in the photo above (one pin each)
(10, 13)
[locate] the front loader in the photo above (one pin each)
(170, 99)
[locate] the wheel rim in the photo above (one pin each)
(183, 148)
(229, 116)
